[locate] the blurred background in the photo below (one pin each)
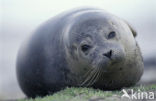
(19, 18)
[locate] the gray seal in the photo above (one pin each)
(86, 47)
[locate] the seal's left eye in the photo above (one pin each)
(85, 47)
(111, 35)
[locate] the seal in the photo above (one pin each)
(86, 47)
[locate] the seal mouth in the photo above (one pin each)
(96, 71)
(108, 65)
(104, 64)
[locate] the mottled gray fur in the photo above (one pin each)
(84, 47)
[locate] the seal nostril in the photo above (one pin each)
(108, 54)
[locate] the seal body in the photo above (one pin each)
(85, 47)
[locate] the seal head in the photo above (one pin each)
(99, 44)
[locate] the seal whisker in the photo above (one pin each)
(88, 72)
(86, 76)
(96, 77)
(89, 77)
(93, 78)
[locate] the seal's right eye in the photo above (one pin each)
(85, 47)
(111, 35)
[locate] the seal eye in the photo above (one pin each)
(111, 35)
(85, 47)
